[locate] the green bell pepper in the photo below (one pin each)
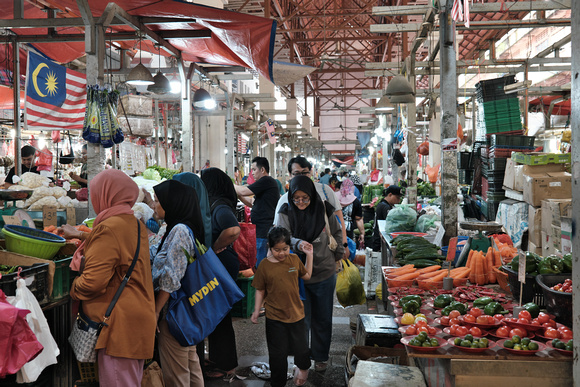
(532, 260)
(413, 297)
(494, 308)
(412, 307)
(482, 302)
(567, 261)
(455, 305)
(551, 265)
(532, 308)
(442, 300)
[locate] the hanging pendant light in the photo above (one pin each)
(384, 105)
(139, 75)
(399, 90)
(161, 85)
(203, 100)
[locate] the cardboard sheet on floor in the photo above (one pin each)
(373, 374)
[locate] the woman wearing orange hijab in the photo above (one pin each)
(107, 253)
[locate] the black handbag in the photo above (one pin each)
(85, 333)
(67, 159)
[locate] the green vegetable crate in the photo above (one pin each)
(62, 278)
(245, 306)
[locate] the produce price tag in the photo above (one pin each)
(522, 267)
(71, 216)
(49, 216)
(11, 220)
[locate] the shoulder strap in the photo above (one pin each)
(127, 275)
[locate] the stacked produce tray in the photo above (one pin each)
(498, 112)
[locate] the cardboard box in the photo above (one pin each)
(546, 182)
(566, 241)
(136, 105)
(518, 178)
(547, 245)
(557, 237)
(535, 225)
(509, 177)
(552, 211)
(533, 248)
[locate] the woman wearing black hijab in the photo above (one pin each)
(178, 205)
(304, 215)
(223, 355)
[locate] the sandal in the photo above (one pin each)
(300, 376)
(220, 374)
(320, 366)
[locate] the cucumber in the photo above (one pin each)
(421, 263)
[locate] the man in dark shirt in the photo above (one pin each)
(266, 194)
(27, 155)
(391, 196)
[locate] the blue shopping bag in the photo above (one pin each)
(206, 296)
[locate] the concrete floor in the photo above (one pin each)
(251, 346)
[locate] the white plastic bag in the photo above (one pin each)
(24, 299)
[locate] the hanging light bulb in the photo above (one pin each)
(175, 85)
(203, 100)
(139, 75)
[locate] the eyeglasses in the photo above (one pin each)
(303, 173)
(301, 200)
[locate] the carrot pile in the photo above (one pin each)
(482, 266)
(429, 274)
(55, 230)
(507, 251)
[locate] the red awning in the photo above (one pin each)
(562, 108)
(7, 98)
(237, 39)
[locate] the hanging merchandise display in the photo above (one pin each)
(101, 125)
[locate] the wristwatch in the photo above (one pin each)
(345, 244)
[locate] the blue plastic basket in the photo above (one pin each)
(458, 249)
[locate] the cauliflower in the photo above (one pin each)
(38, 194)
(33, 180)
(58, 192)
(142, 211)
(64, 202)
(45, 201)
(17, 187)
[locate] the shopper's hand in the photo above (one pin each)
(346, 253)
(255, 316)
(307, 248)
(147, 199)
(304, 245)
(69, 232)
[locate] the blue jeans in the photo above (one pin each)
(318, 308)
(261, 250)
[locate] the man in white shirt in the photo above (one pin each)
(300, 166)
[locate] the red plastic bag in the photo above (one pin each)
(433, 173)
(245, 246)
(44, 162)
(375, 175)
(82, 195)
(55, 136)
(18, 344)
(423, 149)
(247, 214)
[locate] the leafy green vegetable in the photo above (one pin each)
(151, 174)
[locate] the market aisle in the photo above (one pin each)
(251, 344)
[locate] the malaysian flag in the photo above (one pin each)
(457, 10)
(55, 96)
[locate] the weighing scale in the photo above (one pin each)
(8, 195)
(479, 242)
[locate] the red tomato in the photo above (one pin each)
(481, 319)
(563, 328)
(523, 321)
(475, 331)
(462, 331)
(543, 318)
(491, 320)
(552, 333)
(566, 335)
(453, 329)
(498, 317)
(525, 314)
(421, 323)
(454, 321)
(454, 314)
(475, 312)
(445, 320)
(551, 323)
(411, 330)
(502, 331)
(521, 332)
(469, 318)
(432, 330)
(536, 321)
(422, 329)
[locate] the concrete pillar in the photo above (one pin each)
(265, 86)
(187, 129)
(211, 140)
(575, 127)
(412, 161)
(230, 138)
(448, 122)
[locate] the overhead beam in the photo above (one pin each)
(490, 70)
(521, 6)
(118, 37)
(79, 22)
(480, 25)
(472, 63)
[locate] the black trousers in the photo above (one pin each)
(285, 339)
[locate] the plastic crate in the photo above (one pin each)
(89, 372)
(511, 140)
(36, 278)
(245, 306)
(463, 160)
(62, 278)
(465, 176)
(557, 303)
(532, 292)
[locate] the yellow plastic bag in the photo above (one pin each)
(349, 287)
